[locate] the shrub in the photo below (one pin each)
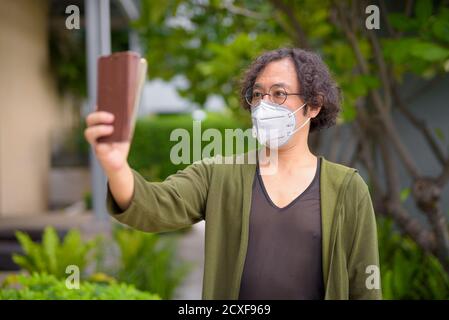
(148, 261)
(53, 256)
(41, 286)
(407, 272)
(144, 260)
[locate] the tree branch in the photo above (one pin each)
(439, 224)
(228, 5)
(381, 64)
(301, 38)
(410, 225)
(384, 10)
(374, 94)
(361, 129)
(444, 176)
(408, 8)
(427, 196)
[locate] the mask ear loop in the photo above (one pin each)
(298, 109)
(301, 126)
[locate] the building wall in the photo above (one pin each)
(28, 107)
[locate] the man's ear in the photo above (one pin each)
(315, 105)
(313, 111)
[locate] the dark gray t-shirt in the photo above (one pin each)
(283, 260)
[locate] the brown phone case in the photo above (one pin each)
(117, 91)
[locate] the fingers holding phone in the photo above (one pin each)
(111, 155)
(99, 124)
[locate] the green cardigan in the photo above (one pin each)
(220, 193)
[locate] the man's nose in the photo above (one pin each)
(267, 95)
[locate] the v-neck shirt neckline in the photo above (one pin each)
(298, 197)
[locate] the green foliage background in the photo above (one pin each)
(42, 286)
(211, 43)
(144, 261)
(151, 145)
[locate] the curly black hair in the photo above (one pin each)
(317, 88)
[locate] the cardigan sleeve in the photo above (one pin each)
(177, 202)
(363, 260)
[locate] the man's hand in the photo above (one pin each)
(112, 156)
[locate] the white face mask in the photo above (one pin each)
(274, 124)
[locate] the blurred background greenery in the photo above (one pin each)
(384, 75)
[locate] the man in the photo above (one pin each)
(300, 227)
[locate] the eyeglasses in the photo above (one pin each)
(277, 94)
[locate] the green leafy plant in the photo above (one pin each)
(407, 271)
(53, 256)
(144, 260)
(42, 286)
(148, 261)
